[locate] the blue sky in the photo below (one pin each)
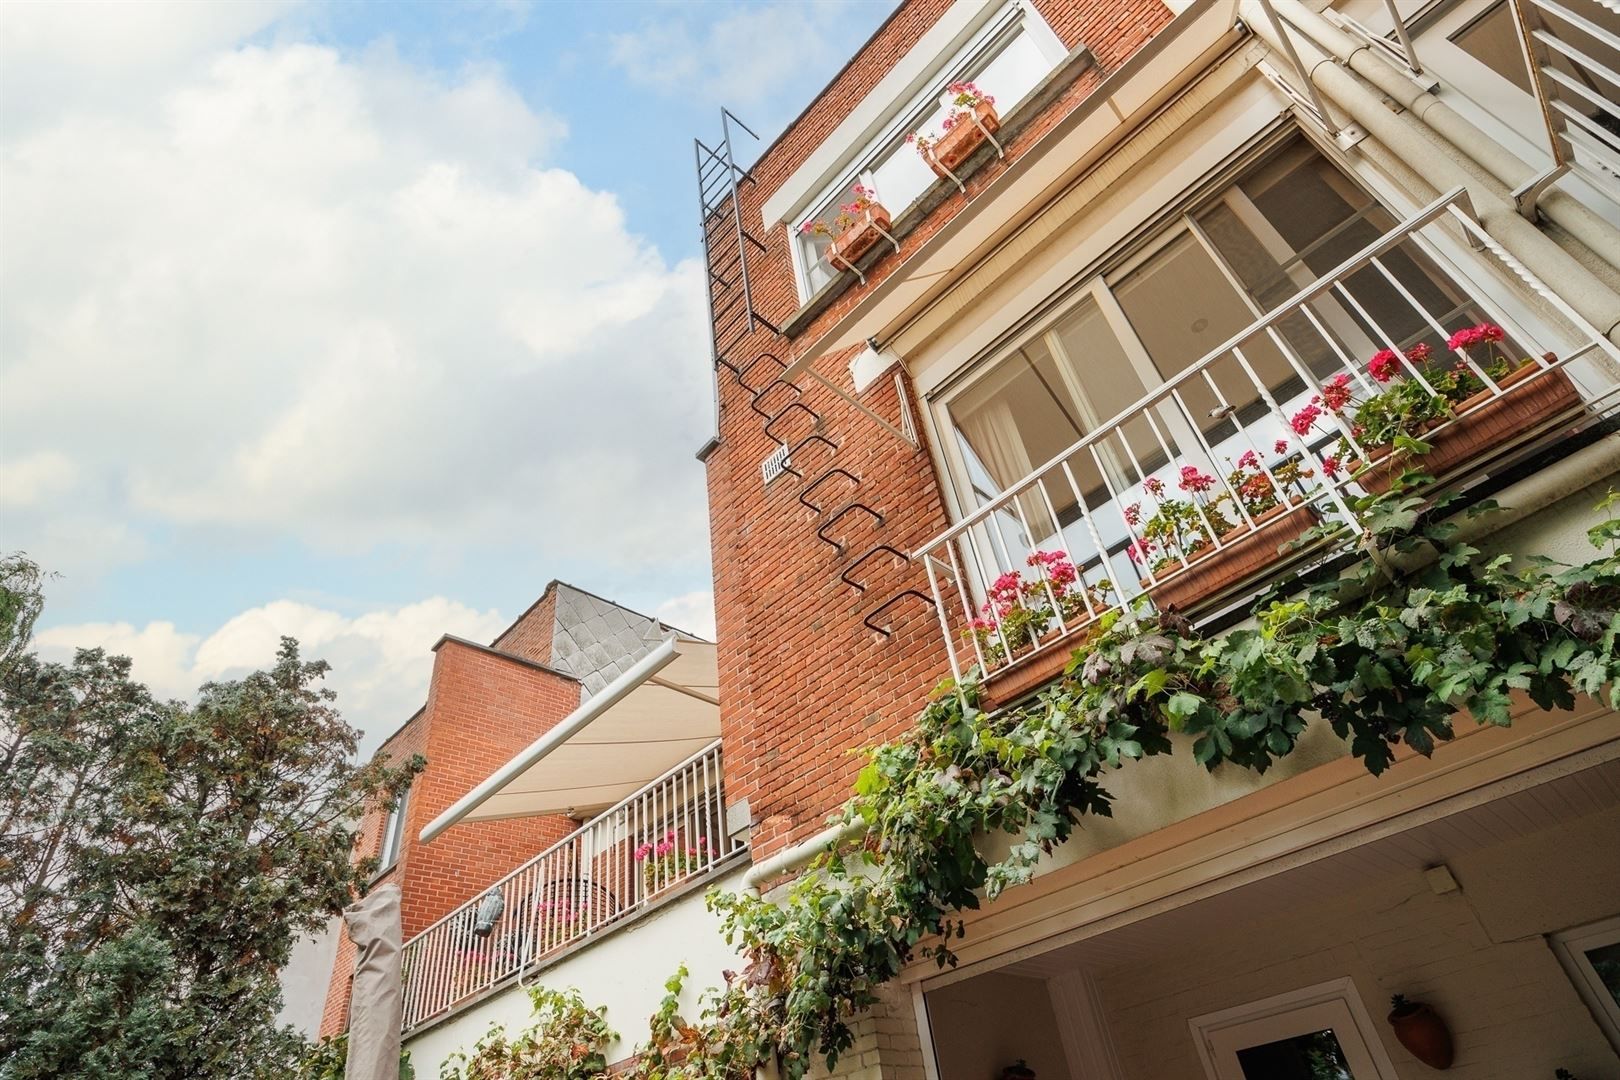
(360, 322)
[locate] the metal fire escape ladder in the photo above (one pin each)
(733, 320)
(730, 291)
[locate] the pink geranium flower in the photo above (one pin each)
(1336, 393)
(1384, 365)
(1194, 481)
(1467, 338)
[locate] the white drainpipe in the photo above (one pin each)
(790, 859)
(1413, 147)
(1602, 238)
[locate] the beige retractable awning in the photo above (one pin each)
(656, 715)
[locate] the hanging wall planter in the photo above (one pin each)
(1420, 1029)
(859, 236)
(971, 119)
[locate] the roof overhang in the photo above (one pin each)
(657, 714)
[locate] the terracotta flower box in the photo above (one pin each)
(1247, 551)
(1482, 422)
(1032, 671)
(962, 139)
(858, 239)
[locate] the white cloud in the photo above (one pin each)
(275, 289)
(381, 661)
(747, 57)
(692, 612)
(34, 477)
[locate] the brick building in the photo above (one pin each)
(1182, 220)
(484, 704)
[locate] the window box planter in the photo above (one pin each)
(1247, 551)
(1031, 671)
(965, 136)
(856, 240)
(1481, 423)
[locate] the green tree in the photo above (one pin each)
(159, 859)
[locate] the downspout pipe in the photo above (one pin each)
(792, 858)
(1412, 145)
(1568, 212)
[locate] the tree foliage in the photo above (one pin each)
(159, 859)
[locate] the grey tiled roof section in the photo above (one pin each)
(597, 641)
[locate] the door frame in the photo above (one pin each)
(1316, 1006)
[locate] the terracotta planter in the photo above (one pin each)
(1425, 1036)
(858, 239)
(1247, 551)
(964, 137)
(1482, 423)
(1031, 672)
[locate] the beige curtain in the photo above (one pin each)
(376, 1002)
(993, 434)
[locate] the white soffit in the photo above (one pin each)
(648, 720)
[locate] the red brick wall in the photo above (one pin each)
(802, 681)
(530, 636)
(482, 708)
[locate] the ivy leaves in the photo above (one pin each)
(1422, 628)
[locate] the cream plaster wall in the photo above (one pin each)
(983, 1025)
(624, 970)
(1477, 956)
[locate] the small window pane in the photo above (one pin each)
(1493, 41)
(1313, 1056)
(1605, 960)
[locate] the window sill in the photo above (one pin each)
(1065, 75)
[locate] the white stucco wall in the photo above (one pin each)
(624, 970)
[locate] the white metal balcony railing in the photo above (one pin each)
(598, 877)
(1086, 509)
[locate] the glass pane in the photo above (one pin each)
(899, 175)
(813, 247)
(1314, 1056)
(1182, 307)
(1605, 960)
(1492, 40)
(1016, 417)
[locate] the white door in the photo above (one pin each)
(1318, 1033)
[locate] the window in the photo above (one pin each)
(1186, 291)
(393, 831)
(1007, 58)
(1493, 40)
(1318, 1033)
(1591, 955)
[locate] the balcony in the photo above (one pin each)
(1192, 495)
(602, 876)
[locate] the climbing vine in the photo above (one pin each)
(1421, 629)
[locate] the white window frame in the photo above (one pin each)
(393, 835)
(1014, 16)
(1336, 1004)
(1454, 260)
(1570, 947)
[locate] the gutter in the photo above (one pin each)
(1412, 145)
(793, 858)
